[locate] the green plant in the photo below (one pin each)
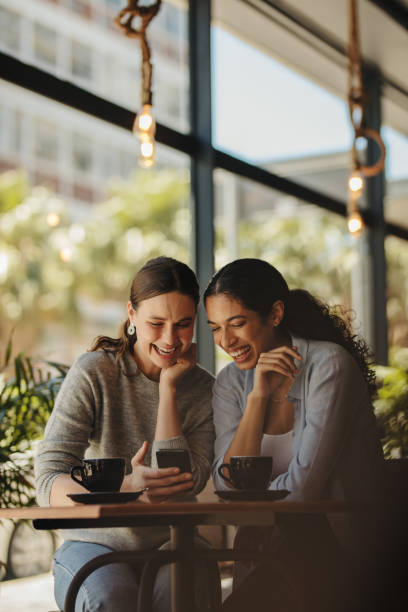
(391, 405)
(27, 394)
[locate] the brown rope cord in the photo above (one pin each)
(357, 98)
(125, 21)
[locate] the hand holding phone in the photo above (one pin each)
(174, 458)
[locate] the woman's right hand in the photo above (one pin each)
(160, 483)
(275, 372)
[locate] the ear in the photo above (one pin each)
(130, 310)
(276, 315)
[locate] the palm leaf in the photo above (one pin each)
(26, 401)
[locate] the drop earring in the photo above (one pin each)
(131, 329)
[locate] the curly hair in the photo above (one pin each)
(257, 285)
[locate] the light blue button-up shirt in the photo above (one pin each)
(336, 449)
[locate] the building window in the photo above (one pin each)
(82, 160)
(9, 29)
(81, 60)
(46, 140)
(45, 44)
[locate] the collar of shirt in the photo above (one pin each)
(303, 347)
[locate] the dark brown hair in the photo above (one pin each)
(257, 285)
(157, 276)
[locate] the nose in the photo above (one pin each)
(169, 335)
(227, 339)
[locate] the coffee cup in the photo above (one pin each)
(248, 472)
(100, 474)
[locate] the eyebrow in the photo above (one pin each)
(164, 319)
(229, 319)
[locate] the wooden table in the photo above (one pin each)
(181, 517)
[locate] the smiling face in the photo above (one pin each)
(164, 330)
(241, 332)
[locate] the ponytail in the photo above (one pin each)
(310, 318)
(119, 346)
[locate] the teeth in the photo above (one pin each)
(240, 353)
(164, 351)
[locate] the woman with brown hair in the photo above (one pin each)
(129, 397)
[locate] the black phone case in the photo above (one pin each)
(174, 458)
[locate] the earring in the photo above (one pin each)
(131, 329)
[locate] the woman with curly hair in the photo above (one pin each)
(299, 389)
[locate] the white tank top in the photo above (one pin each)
(279, 447)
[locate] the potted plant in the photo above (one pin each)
(27, 394)
(391, 405)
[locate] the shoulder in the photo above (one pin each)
(319, 350)
(94, 365)
(329, 356)
(94, 360)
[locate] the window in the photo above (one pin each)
(81, 60)
(45, 44)
(46, 140)
(83, 222)
(397, 291)
(396, 174)
(9, 29)
(81, 153)
(258, 117)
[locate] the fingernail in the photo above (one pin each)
(176, 470)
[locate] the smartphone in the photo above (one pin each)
(174, 458)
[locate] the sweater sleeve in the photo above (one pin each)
(333, 393)
(197, 427)
(227, 406)
(67, 432)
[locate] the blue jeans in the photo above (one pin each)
(114, 587)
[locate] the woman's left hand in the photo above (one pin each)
(172, 375)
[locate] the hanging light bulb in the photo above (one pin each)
(144, 126)
(356, 184)
(146, 158)
(133, 21)
(355, 223)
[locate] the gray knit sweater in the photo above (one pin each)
(106, 409)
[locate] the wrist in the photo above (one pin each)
(125, 487)
(167, 388)
(258, 397)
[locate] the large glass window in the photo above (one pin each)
(397, 291)
(77, 219)
(396, 174)
(270, 115)
(84, 44)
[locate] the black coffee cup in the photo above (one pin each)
(251, 473)
(100, 474)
